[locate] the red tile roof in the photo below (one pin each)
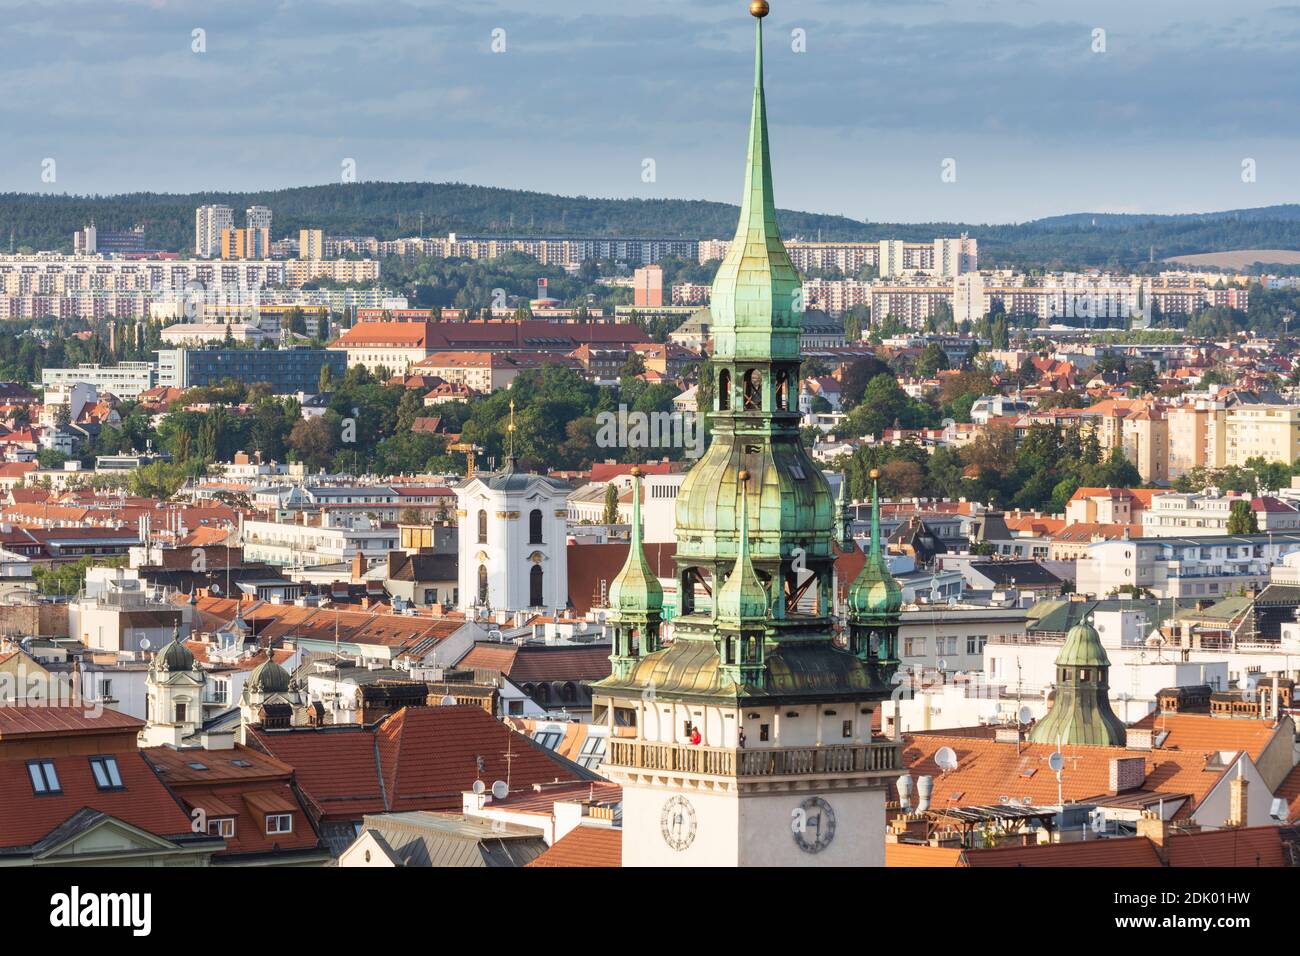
(143, 801)
(420, 758)
(224, 788)
(988, 769)
(1245, 846)
(590, 565)
(585, 846)
(62, 721)
(1203, 734)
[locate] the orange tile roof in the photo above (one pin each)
(922, 854)
(585, 846)
(1125, 852)
(1289, 790)
(988, 769)
(1243, 846)
(420, 758)
(1202, 734)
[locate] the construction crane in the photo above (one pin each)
(469, 450)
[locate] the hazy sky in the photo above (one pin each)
(1012, 90)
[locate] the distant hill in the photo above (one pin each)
(391, 210)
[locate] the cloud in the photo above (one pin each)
(587, 89)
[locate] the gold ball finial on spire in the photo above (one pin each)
(759, 8)
(743, 475)
(875, 473)
(636, 471)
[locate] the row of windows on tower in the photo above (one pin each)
(534, 526)
(751, 390)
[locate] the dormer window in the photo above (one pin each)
(279, 823)
(222, 827)
(107, 776)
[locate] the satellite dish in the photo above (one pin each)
(946, 759)
(943, 664)
(1004, 799)
(479, 786)
(145, 644)
(447, 700)
(1027, 802)
(1026, 715)
(499, 790)
(1056, 762)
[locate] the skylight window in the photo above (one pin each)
(106, 773)
(44, 778)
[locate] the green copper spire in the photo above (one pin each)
(636, 600)
(875, 594)
(756, 523)
(754, 293)
(637, 587)
(1081, 711)
(742, 598)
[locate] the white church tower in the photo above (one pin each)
(512, 541)
(174, 695)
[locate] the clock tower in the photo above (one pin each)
(746, 740)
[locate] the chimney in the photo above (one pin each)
(358, 566)
(1126, 773)
(1238, 809)
(394, 561)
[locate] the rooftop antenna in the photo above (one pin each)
(1056, 762)
(510, 429)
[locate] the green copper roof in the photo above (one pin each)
(175, 656)
(636, 589)
(742, 598)
(874, 593)
(754, 291)
(1082, 648)
(268, 677)
(1080, 712)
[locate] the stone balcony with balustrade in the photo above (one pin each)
(879, 759)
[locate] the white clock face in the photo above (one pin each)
(813, 825)
(678, 823)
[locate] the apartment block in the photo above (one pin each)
(209, 223)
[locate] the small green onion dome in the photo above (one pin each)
(1082, 648)
(269, 677)
(175, 656)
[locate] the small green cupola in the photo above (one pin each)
(175, 656)
(875, 601)
(1080, 712)
(268, 677)
(635, 599)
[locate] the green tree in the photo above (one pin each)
(611, 504)
(1241, 519)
